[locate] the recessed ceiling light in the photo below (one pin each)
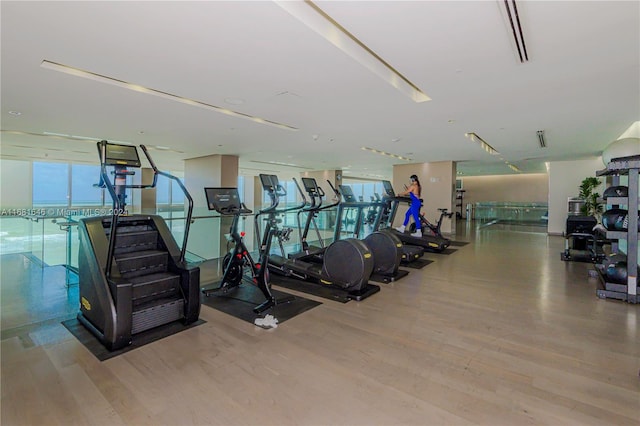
(16, 113)
(394, 140)
(451, 121)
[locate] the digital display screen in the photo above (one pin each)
(222, 200)
(124, 155)
(310, 185)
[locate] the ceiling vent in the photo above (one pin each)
(541, 139)
(516, 29)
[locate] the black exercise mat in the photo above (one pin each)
(417, 264)
(459, 243)
(445, 251)
(324, 291)
(94, 346)
(240, 302)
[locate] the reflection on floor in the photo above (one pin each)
(34, 295)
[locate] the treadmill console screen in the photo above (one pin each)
(388, 188)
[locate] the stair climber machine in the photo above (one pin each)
(344, 265)
(429, 240)
(385, 245)
(226, 201)
(132, 275)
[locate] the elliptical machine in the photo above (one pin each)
(345, 265)
(226, 201)
(386, 247)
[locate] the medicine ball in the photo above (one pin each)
(617, 273)
(613, 259)
(615, 220)
(616, 191)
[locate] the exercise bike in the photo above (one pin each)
(226, 201)
(428, 227)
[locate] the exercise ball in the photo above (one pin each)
(621, 148)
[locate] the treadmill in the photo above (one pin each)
(431, 243)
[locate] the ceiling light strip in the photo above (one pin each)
(474, 137)
(277, 163)
(318, 20)
(386, 154)
(165, 95)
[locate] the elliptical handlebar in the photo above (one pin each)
(338, 197)
(275, 190)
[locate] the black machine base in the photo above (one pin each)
(364, 292)
(266, 305)
(379, 278)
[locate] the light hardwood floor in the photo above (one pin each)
(502, 332)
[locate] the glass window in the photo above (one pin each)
(163, 190)
(50, 184)
(83, 193)
(177, 196)
(243, 196)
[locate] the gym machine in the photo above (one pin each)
(345, 265)
(226, 201)
(432, 243)
(132, 275)
(385, 245)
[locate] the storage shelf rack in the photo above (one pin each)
(617, 167)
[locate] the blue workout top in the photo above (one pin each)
(414, 200)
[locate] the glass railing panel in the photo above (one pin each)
(54, 242)
(514, 213)
(15, 235)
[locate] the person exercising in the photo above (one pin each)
(413, 191)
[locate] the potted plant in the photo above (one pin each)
(592, 205)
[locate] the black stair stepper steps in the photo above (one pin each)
(144, 262)
(152, 286)
(136, 241)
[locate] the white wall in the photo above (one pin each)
(565, 178)
(16, 190)
(527, 188)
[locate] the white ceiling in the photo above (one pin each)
(581, 84)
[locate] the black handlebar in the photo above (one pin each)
(118, 206)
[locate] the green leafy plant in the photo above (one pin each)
(591, 207)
